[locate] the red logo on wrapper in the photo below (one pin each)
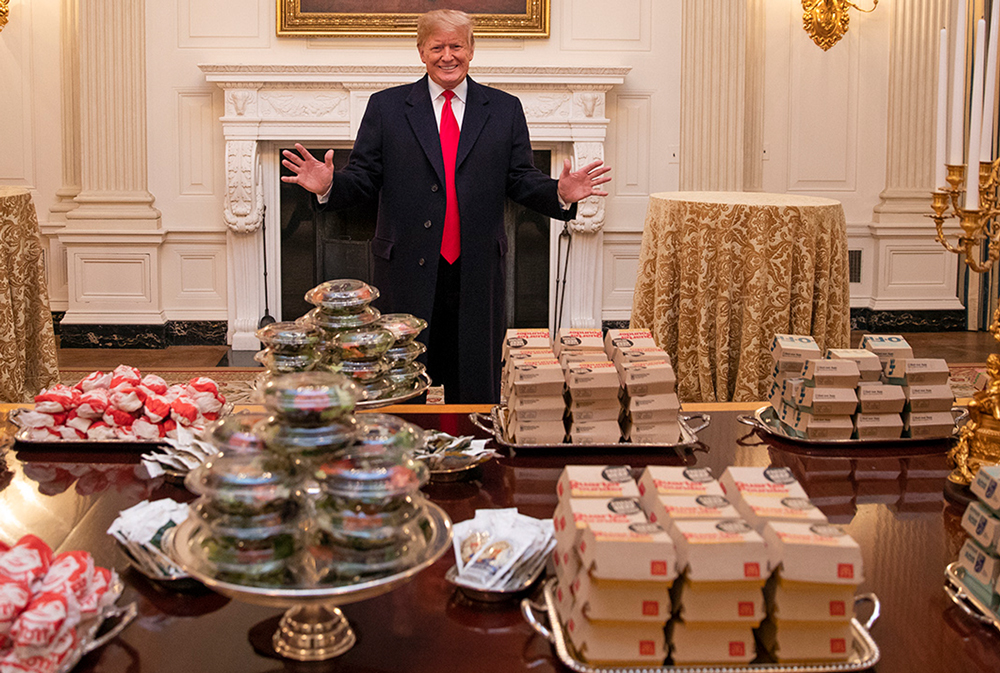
(562, 523)
(837, 609)
(845, 571)
(560, 489)
(838, 645)
(650, 608)
(583, 547)
(658, 568)
(647, 647)
(642, 489)
(746, 608)
(652, 517)
(737, 648)
(751, 570)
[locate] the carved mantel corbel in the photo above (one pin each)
(244, 209)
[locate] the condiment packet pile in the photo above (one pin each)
(182, 453)
(140, 530)
(443, 451)
(43, 598)
(500, 550)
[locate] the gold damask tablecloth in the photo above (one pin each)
(720, 273)
(28, 359)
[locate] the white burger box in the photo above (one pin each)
(878, 426)
(540, 408)
(637, 552)
(588, 380)
(598, 413)
(815, 552)
(719, 550)
(827, 401)
(595, 432)
(627, 338)
(568, 358)
(622, 601)
(786, 371)
(521, 339)
(567, 564)
(878, 398)
(807, 426)
(596, 481)
(640, 354)
(981, 570)
(666, 480)
(789, 350)
(869, 366)
(645, 408)
(535, 378)
(578, 339)
(535, 432)
(526, 355)
(665, 509)
(775, 482)
(564, 601)
(791, 389)
(928, 424)
(607, 643)
(720, 602)
(654, 377)
(981, 524)
(831, 374)
(757, 510)
(652, 432)
(917, 372)
(887, 347)
(986, 486)
(573, 515)
(709, 643)
(809, 601)
(922, 397)
(789, 641)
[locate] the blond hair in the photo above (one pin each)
(444, 20)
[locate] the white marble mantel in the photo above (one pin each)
(564, 106)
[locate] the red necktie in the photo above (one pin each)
(451, 240)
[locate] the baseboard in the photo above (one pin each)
(171, 333)
(868, 320)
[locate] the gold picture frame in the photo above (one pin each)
(398, 18)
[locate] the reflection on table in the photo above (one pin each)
(889, 500)
(721, 272)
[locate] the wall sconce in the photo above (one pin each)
(4, 12)
(826, 21)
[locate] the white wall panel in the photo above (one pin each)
(221, 24)
(112, 276)
(598, 25)
(197, 150)
(621, 263)
(632, 146)
(16, 74)
(194, 276)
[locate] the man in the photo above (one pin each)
(442, 155)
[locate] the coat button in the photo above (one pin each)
(420, 261)
(434, 188)
(427, 224)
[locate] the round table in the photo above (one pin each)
(720, 273)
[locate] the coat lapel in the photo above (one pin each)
(476, 114)
(420, 115)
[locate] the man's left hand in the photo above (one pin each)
(577, 185)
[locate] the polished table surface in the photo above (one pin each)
(720, 273)
(905, 528)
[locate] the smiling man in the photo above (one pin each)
(442, 155)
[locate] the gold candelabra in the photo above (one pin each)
(979, 438)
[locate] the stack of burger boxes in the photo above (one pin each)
(671, 494)
(649, 403)
(790, 353)
(879, 405)
(532, 385)
(592, 387)
(980, 555)
(826, 400)
(929, 398)
(613, 568)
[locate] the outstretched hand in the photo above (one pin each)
(310, 173)
(578, 185)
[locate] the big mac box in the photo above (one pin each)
(928, 424)
(636, 552)
(519, 339)
(917, 372)
(757, 510)
(986, 486)
(665, 480)
(831, 374)
(869, 366)
(611, 643)
(652, 377)
(720, 602)
(794, 641)
(791, 351)
(573, 515)
(809, 601)
(593, 408)
(774, 482)
(646, 408)
(887, 347)
(651, 432)
(710, 643)
(595, 379)
(537, 408)
(929, 397)
(981, 524)
(805, 425)
(878, 426)
(817, 553)
(619, 601)
(640, 354)
(617, 339)
(595, 432)
(664, 509)
(534, 378)
(579, 339)
(535, 431)
(596, 481)
(721, 550)
(827, 401)
(878, 398)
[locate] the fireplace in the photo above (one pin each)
(268, 107)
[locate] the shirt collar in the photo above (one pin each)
(461, 91)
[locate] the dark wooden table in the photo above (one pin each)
(907, 531)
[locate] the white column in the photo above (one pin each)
(244, 214)
(70, 98)
(585, 273)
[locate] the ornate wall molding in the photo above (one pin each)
(244, 209)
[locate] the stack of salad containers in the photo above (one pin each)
(404, 370)
(288, 347)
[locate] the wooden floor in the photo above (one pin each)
(955, 347)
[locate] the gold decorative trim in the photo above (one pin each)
(826, 21)
(4, 12)
(293, 22)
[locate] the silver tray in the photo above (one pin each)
(528, 580)
(959, 593)
(87, 629)
(864, 655)
(498, 429)
(764, 419)
(420, 386)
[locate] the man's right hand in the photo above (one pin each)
(310, 173)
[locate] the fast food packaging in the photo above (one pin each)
(537, 408)
(567, 564)
(637, 552)
(570, 357)
(775, 399)
(588, 380)
(929, 397)
(794, 641)
(564, 600)
(878, 398)
(917, 372)
(667, 480)
(887, 347)
(652, 432)
(640, 354)
(807, 426)
(593, 408)
(816, 552)
(719, 550)
(609, 643)
(831, 374)
(791, 390)
(928, 424)
(782, 372)
(664, 509)
(535, 432)
(595, 432)
(617, 339)
(827, 401)
(809, 601)
(982, 525)
(711, 643)
(986, 486)
(792, 349)
(613, 600)
(520, 339)
(869, 366)
(596, 481)
(652, 377)
(647, 408)
(878, 426)
(733, 602)
(759, 509)
(573, 515)
(981, 569)
(535, 378)
(518, 356)
(579, 339)
(775, 482)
